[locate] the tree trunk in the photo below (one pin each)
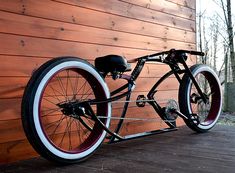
(215, 28)
(230, 34)
(226, 82)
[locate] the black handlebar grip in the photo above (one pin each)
(196, 53)
(189, 52)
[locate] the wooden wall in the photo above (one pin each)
(31, 32)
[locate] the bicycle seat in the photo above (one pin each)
(112, 63)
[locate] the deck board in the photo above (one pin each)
(178, 151)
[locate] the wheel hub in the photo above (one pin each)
(72, 109)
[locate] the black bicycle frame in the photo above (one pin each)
(172, 58)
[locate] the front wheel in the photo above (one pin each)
(191, 103)
(58, 129)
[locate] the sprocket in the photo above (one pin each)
(169, 109)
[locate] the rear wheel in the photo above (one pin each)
(202, 115)
(56, 128)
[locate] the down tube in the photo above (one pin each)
(119, 125)
(152, 91)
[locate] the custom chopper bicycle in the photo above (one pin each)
(67, 105)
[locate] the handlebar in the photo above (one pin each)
(178, 51)
(191, 52)
(179, 55)
(169, 53)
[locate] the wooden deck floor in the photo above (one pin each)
(178, 151)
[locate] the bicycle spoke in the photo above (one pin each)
(88, 94)
(85, 124)
(73, 87)
(57, 123)
(54, 90)
(50, 101)
(69, 134)
(78, 90)
(50, 111)
(65, 131)
(76, 84)
(78, 131)
(61, 86)
(66, 86)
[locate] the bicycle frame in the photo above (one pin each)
(172, 59)
(66, 106)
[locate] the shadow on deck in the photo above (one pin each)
(178, 151)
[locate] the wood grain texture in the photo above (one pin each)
(136, 12)
(97, 10)
(168, 152)
(28, 46)
(32, 32)
(168, 7)
(18, 24)
(16, 150)
(185, 3)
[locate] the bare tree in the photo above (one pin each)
(228, 20)
(226, 78)
(215, 33)
(206, 46)
(201, 31)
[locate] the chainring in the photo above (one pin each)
(169, 109)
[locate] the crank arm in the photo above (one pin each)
(179, 114)
(193, 117)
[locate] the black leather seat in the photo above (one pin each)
(112, 63)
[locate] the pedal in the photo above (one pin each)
(195, 119)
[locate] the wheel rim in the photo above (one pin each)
(66, 133)
(208, 113)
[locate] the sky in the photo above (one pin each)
(210, 8)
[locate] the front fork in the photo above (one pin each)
(176, 71)
(188, 71)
